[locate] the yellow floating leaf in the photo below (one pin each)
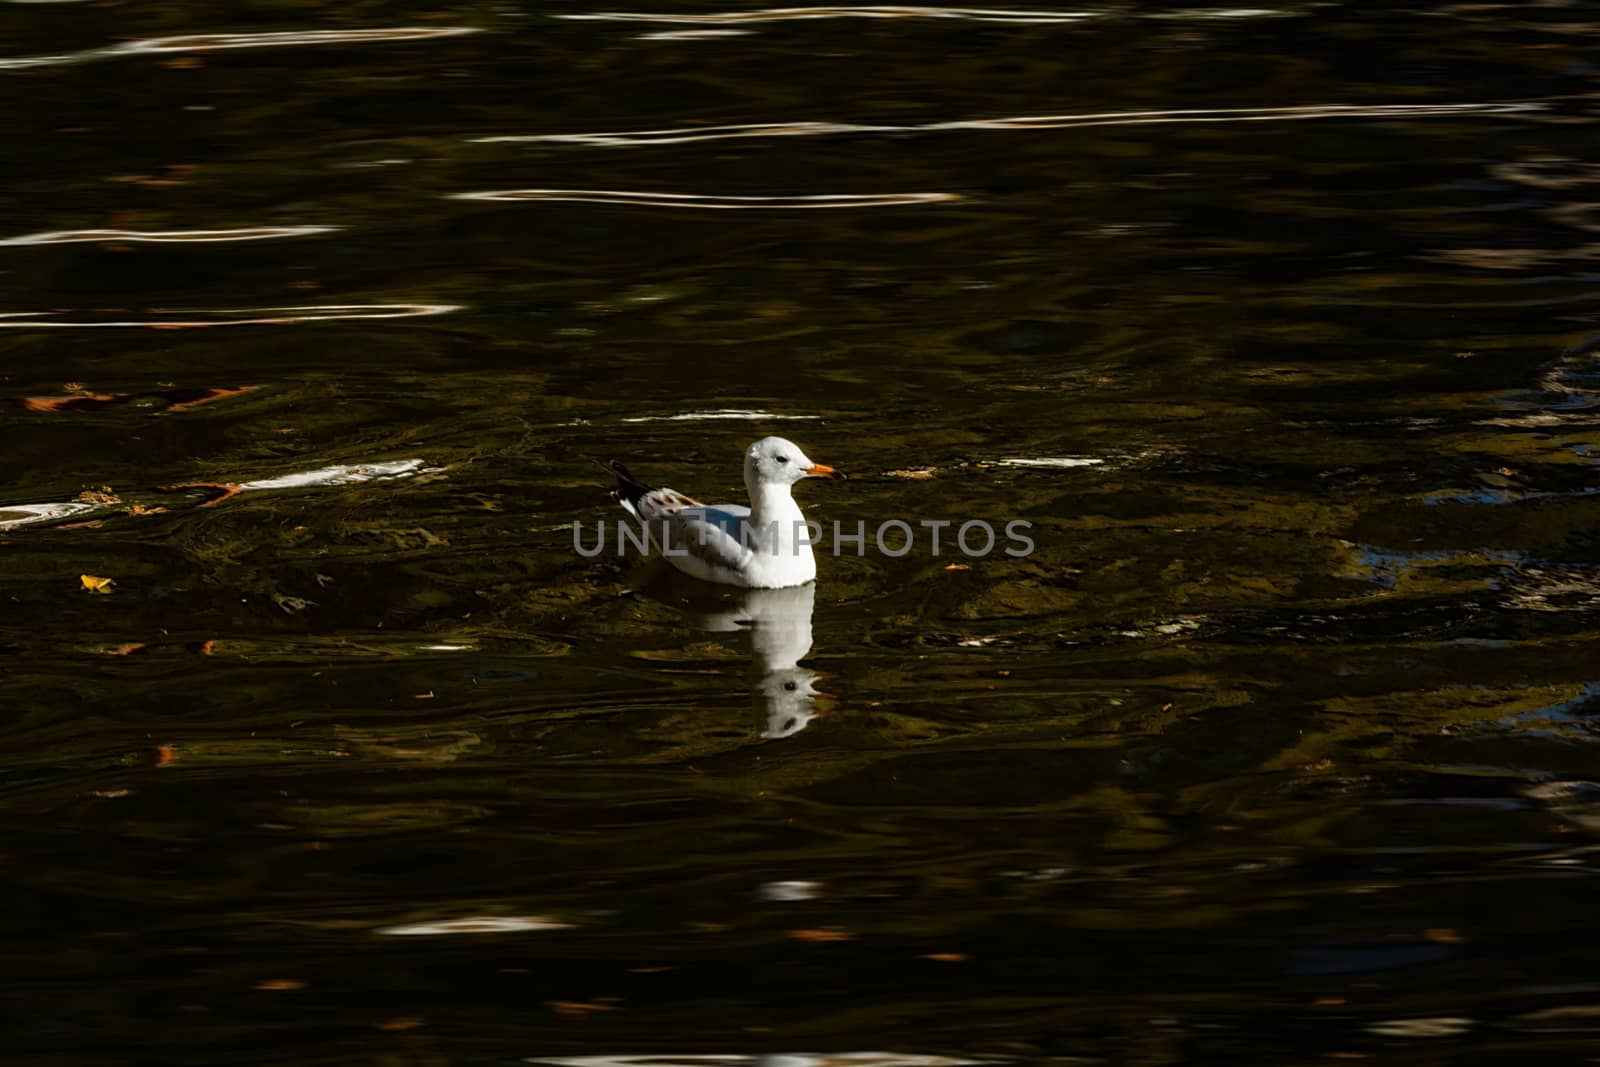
(395, 1025)
(94, 584)
(822, 935)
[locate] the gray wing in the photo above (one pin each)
(698, 537)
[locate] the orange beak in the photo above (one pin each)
(822, 470)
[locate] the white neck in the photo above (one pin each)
(773, 503)
(779, 544)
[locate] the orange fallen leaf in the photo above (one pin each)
(830, 934)
(577, 1007)
(208, 395)
(124, 650)
(425, 696)
(70, 402)
(202, 648)
(165, 754)
(278, 985)
(1443, 935)
(1329, 1002)
(947, 957)
(958, 567)
(95, 584)
(393, 1025)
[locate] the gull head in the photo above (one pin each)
(785, 701)
(776, 461)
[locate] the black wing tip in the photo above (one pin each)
(629, 487)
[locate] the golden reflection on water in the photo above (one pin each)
(271, 316)
(685, 135)
(254, 233)
(718, 203)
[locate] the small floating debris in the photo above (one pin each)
(476, 924)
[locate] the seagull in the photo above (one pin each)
(763, 546)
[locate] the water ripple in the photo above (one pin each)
(168, 320)
(216, 42)
(783, 1059)
(254, 233)
(477, 924)
(790, 14)
(691, 35)
(718, 203)
(323, 477)
(685, 135)
(722, 414)
(14, 515)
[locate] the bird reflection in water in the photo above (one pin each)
(783, 693)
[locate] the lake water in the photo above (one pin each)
(1277, 324)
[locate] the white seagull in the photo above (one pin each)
(763, 546)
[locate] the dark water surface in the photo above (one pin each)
(1280, 747)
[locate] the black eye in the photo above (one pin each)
(783, 459)
(790, 686)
